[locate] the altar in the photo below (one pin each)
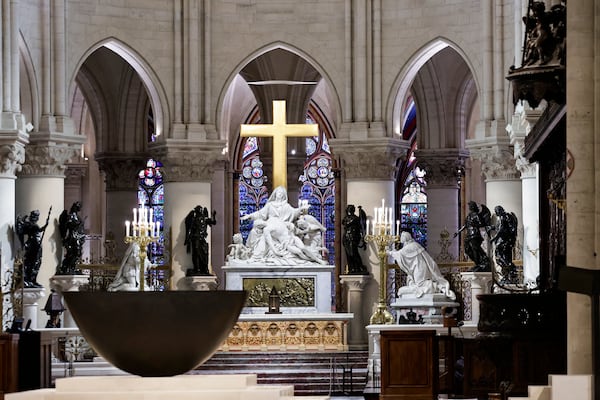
(302, 289)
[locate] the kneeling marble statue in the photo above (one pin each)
(423, 273)
(128, 276)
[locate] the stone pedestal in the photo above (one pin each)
(31, 296)
(479, 283)
(200, 282)
(428, 307)
(354, 285)
(68, 283)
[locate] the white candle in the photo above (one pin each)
(397, 227)
(151, 215)
(157, 228)
(126, 228)
(367, 232)
(134, 215)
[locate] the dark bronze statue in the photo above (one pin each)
(32, 259)
(505, 239)
(73, 238)
(545, 35)
(196, 231)
(353, 239)
(475, 220)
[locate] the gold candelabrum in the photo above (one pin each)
(143, 230)
(383, 234)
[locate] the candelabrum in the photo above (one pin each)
(383, 235)
(144, 230)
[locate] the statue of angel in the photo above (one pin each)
(475, 220)
(353, 239)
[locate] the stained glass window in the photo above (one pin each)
(317, 180)
(151, 194)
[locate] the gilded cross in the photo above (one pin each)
(279, 130)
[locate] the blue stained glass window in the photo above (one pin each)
(413, 208)
(151, 194)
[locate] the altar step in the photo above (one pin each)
(311, 373)
(560, 387)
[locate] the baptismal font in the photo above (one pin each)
(383, 234)
(144, 230)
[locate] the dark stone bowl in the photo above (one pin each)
(155, 333)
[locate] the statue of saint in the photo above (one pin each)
(505, 239)
(475, 220)
(196, 232)
(32, 259)
(73, 237)
(128, 275)
(423, 273)
(353, 239)
(282, 234)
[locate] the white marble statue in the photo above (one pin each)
(128, 276)
(280, 235)
(424, 276)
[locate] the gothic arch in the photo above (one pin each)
(406, 78)
(152, 84)
(229, 132)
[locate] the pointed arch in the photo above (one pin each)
(152, 83)
(405, 78)
(28, 85)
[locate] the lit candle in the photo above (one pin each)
(157, 228)
(126, 228)
(367, 232)
(397, 227)
(134, 215)
(151, 215)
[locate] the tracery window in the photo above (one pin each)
(151, 194)
(317, 179)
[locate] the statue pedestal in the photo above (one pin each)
(200, 282)
(31, 296)
(68, 283)
(478, 283)
(303, 289)
(428, 306)
(354, 285)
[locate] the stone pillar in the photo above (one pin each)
(41, 187)
(31, 309)
(188, 184)
(443, 168)
(68, 283)
(523, 119)
(369, 169)
(357, 335)
(12, 155)
(480, 283)
(583, 239)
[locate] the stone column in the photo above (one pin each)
(583, 239)
(443, 168)
(188, 184)
(369, 170)
(12, 155)
(120, 173)
(479, 283)
(357, 335)
(41, 187)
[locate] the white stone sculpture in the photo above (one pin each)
(128, 275)
(424, 276)
(281, 235)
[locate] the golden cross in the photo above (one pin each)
(279, 130)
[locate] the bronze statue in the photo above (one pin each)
(196, 231)
(32, 259)
(505, 238)
(353, 239)
(475, 220)
(73, 237)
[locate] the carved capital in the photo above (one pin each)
(355, 282)
(496, 157)
(370, 159)
(443, 167)
(527, 169)
(12, 157)
(186, 161)
(74, 173)
(120, 170)
(47, 159)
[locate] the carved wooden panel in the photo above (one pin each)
(409, 365)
